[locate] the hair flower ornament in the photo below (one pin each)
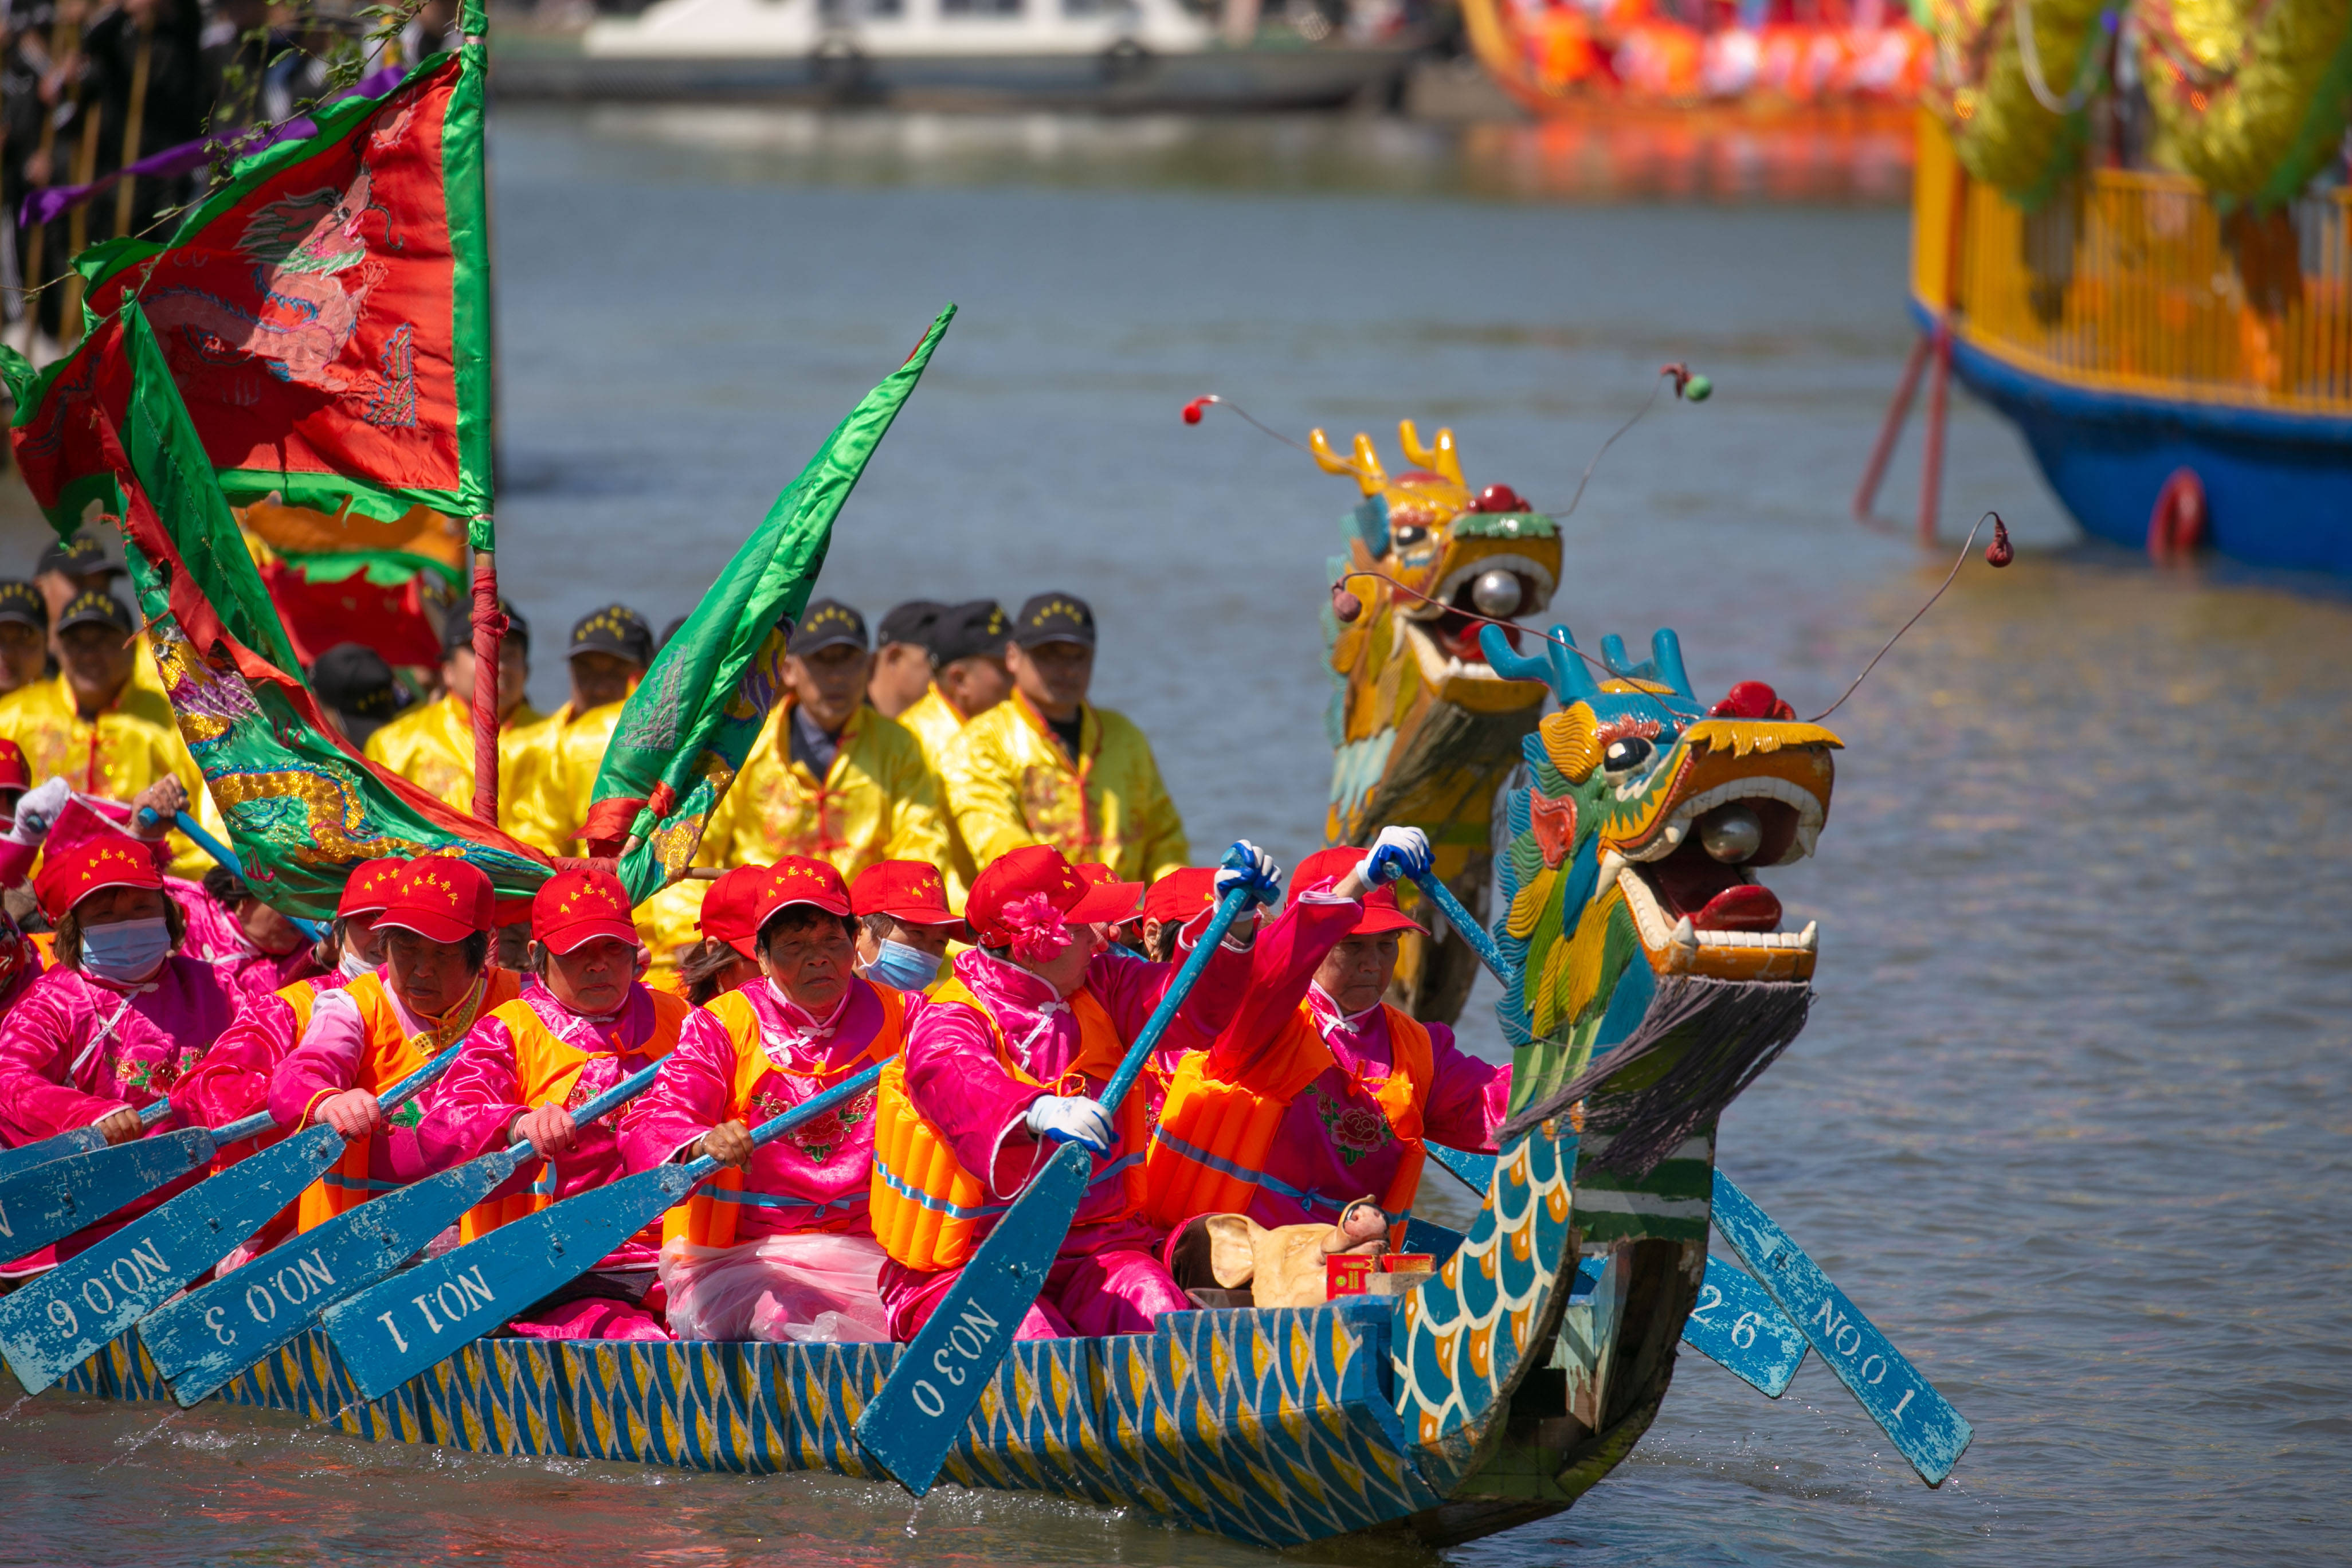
(1038, 930)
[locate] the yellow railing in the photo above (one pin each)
(2134, 281)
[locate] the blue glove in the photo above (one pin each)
(1255, 872)
(1397, 852)
(1071, 1119)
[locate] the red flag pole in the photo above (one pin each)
(489, 632)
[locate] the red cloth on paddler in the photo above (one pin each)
(474, 1106)
(818, 1175)
(73, 1052)
(954, 1079)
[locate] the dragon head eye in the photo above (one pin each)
(1626, 751)
(1409, 534)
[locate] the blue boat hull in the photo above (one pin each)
(2278, 486)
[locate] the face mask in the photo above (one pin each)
(902, 967)
(127, 952)
(353, 965)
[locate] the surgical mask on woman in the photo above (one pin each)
(127, 952)
(353, 965)
(902, 967)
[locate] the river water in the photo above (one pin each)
(2069, 1120)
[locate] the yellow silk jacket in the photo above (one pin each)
(132, 744)
(1009, 783)
(877, 802)
(557, 773)
(935, 726)
(432, 746)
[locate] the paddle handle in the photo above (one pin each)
(154, 1113)
(637, 1083)
(1229, 910)
(226, 856)
(775, 1127)
(1481, 941)
(417, 1082)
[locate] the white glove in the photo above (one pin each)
(1075, 1119)
(1397, 852)
(1262, 876)
(36, 808)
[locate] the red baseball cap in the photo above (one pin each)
(1182, 894)
(13, 773)
(72, 875)
(369, 888)
(799, 879)
(1094, 873)
(726, 907)
(441, 899)
(572, 909)
(1324, 869)
(908, 891)
(1038, 869)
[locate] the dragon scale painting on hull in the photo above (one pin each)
(1423, 731)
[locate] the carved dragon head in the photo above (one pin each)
(1424, 730)
(1646, 821)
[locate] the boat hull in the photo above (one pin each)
(2278, 486)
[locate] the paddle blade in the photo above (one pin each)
(51, 1202)
(1736, 1326)
(1917, 1419)
(930, 1394)
(58, 1321)
(390, 1332)
(209, 1336)
(81, 1141)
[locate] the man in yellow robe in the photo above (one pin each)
(432, 745)
(1048, 767)
(968, 679)
(97, 728)
(831, 776)
(24, 635)
(902, 656)
(611, 647)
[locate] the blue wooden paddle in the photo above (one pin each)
(52, 1201)
(81, 1141)
(1463, 922)
(930, 1394)
(209, 1336)
(1917, 1419)
(225, 856)
(55, 1322)
(390, 1332)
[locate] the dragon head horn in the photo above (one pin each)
(1664, 664)
(1443, 458)
(1561, 666)
(1370, 478)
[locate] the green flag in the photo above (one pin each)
(688, 726)
(301, 805)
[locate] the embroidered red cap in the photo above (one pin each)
(799, 879)
(908, 891)
(572, 909)
(441, 899)
(1094, 873)
(1040, 868)
(369, 888)
(70, 876)
(727, 907)
(1322, 871)
(1180, 894)
(13, 773)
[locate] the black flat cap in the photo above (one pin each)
(1053, 617)
(457, 630)
(910, 622)
(616, 629)
(971, 630)
(95, 608)
(828, 622)
(20, 601)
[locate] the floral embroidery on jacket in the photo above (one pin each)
(1355, 1130)
(817, 1139)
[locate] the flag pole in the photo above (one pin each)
(489, 626)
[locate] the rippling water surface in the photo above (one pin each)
(2069, 1120)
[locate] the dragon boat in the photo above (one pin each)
(1497, 1391)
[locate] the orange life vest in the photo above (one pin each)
(547, 1072)
(926, 1207)
(390, 1055)
(1208, 1156)
(707, 1218)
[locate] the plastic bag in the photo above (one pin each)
(800, 1286)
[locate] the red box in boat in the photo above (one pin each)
(1409, 1263)
(1345, 1275)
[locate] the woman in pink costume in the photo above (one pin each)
(111, 1028)
(1010, 1057)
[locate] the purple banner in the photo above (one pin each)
(47, 205)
